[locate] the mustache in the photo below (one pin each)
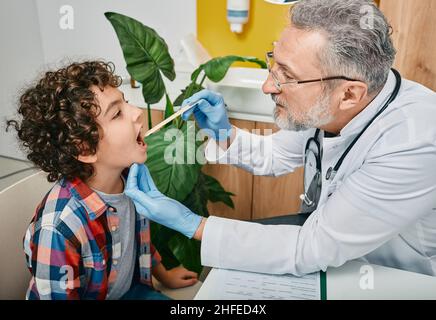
(277, 100)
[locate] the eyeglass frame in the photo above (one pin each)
(278, 84)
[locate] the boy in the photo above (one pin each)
(86, 240)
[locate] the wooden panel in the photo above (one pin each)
(414, 38)
(276, 196)
(234, 180)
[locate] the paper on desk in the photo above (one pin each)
(222, 284)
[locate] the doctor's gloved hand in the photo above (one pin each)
(210, 113)
(152, 204)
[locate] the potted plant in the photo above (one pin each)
(147, 58)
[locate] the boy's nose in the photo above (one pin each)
(138, 115)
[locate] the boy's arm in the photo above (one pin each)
(159, 272)
(177, 277)
(55, 266)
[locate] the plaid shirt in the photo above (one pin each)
(73, 241)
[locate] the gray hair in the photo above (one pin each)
(358, 46)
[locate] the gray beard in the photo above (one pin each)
(287, 122)
(316, 117)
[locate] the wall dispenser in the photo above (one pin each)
(237, 14)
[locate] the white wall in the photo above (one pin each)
(21, 57)
(93, 35)
(32, 40)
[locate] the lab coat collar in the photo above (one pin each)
(358, 122)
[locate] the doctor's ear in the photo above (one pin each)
(353, 94)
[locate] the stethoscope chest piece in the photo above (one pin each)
(330, 174)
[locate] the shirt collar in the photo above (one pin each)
(88, 198)
(359, 121)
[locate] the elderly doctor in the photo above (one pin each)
(366, 137)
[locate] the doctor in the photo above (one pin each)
(366, 137)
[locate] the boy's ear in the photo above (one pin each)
(90, 158)
(85, 156)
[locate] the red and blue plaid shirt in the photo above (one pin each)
(73, 241)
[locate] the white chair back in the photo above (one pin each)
(17, 206)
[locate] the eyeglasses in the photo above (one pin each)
(280, 78)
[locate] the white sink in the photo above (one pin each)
(241, 88)
(242, 92)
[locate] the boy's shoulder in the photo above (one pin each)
(61, 208)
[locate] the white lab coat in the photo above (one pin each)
(382, 203)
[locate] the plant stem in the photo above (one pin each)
(202, 80)
(188, 92)
(149, 116)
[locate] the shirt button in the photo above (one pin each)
(104, 262)
(115, 262)
(114, 228)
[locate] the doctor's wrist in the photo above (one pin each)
(198, 235)
(225, 144)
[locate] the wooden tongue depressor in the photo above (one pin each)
(169, 119)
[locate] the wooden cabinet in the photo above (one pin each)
(276, 196)
(235, 180)
(255, 197)
(414, 36)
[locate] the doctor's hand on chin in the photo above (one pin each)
(152, 204)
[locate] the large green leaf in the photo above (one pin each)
(176, 249)
(169, 109)
(187, 252)
(197, 199)
(160, 237)
(146, 55)
(176, 174)
(216, 192)
(215, 69)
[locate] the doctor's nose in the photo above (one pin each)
(269, 86)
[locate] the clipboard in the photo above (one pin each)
(225, 284)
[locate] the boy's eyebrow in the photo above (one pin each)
(113, 104)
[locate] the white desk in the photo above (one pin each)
(360, 281)
(344, 283)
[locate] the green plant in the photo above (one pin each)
(147, 58)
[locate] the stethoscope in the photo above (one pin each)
(313, 156)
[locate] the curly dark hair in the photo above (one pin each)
(58, 118)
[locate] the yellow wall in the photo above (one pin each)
(265, 24)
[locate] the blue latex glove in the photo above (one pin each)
(210, 113)
(152, 204)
